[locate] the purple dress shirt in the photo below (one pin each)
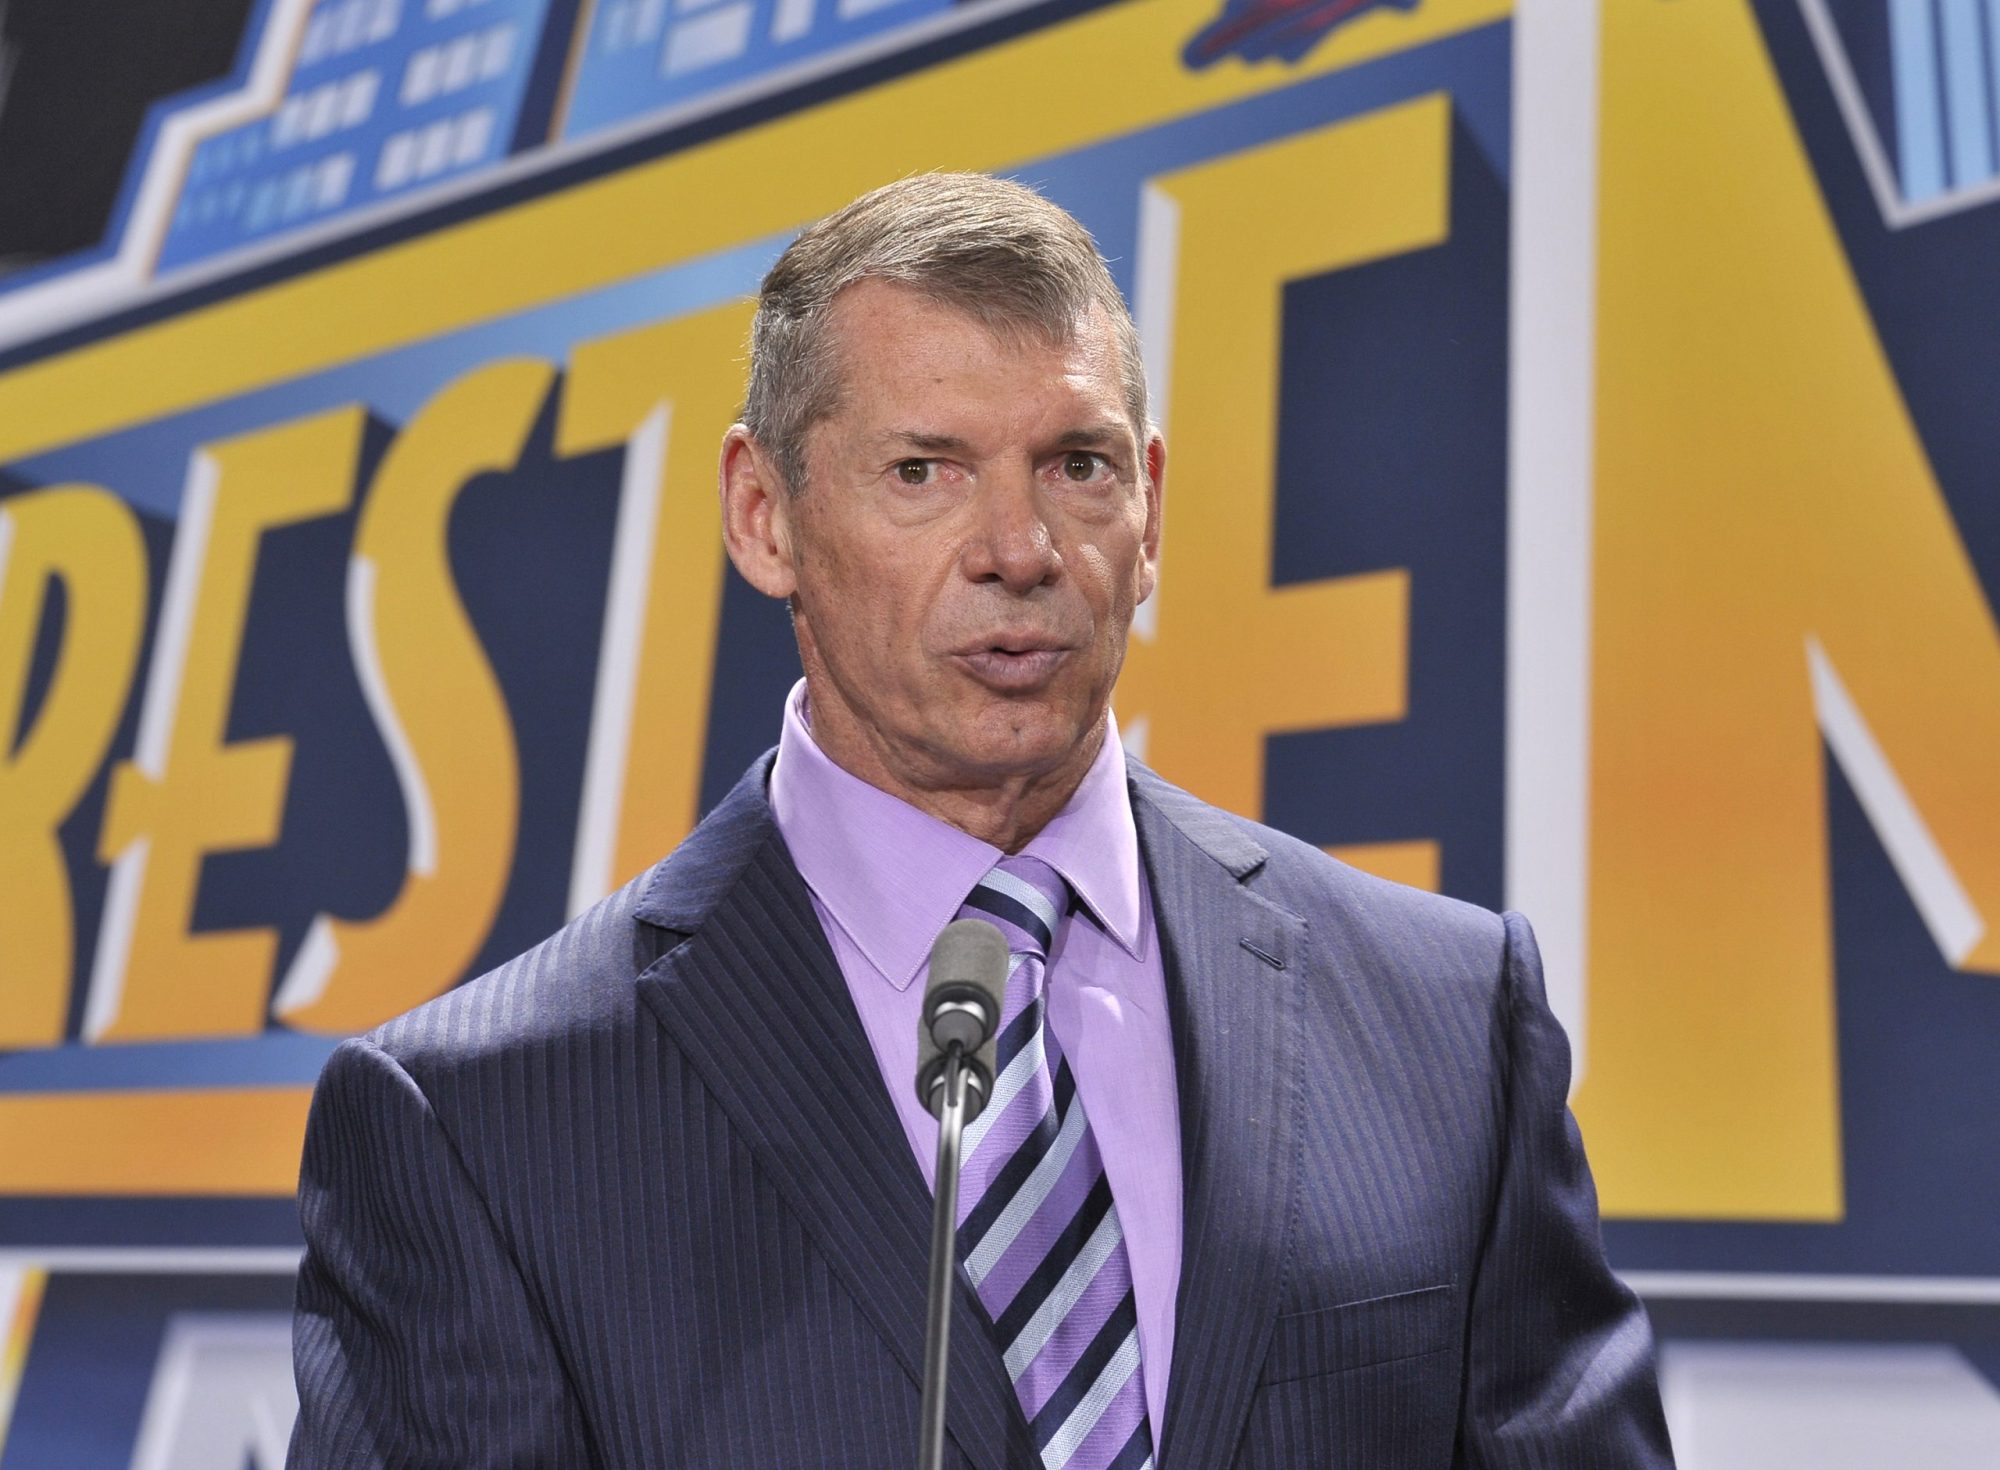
(886, 878)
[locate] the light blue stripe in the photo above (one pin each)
(276, 1059)
(1919, 125)
(1967, 104)
(1067, 1293)
(1027, 1061)
(1019, 1210)
(1993, 57)
(1025, 894)
(1111, 1381)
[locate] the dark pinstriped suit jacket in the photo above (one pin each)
(639, 1198)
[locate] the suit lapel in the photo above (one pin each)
(756, 1001)
(1231, 960)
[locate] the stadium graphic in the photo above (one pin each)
(1918, 86)
(1567, 512)
(380, 101)
(343, 113)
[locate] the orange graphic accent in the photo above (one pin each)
(138, 1143)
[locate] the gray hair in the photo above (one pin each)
(993, 249)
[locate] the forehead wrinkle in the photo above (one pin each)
(1090, 436)
(1080, 365)
(930, 443)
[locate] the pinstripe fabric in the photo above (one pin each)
(638, 1198)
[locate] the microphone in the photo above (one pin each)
(955, 1042)
(962, 1002)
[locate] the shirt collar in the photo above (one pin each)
(892, 876)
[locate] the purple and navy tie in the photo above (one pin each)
(1037, 1230)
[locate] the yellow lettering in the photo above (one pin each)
(1233, 659)
(89, 540)
(187, 791)
(439, 709)
(666, 392)
(1774, 564)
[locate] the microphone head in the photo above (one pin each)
(962, 999)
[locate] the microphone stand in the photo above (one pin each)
(944, 1257)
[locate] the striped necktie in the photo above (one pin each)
(1037, 1230)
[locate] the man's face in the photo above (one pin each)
(978, 523)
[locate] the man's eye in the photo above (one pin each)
(914, 471)
(1080, 464)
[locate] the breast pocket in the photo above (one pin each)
(1351, 1335)
(1370, 1383)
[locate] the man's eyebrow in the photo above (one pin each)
(1092, 436)
(1086, 436)
(927, 443)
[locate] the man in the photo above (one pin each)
(1278, 1169)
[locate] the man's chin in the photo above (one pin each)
(1011, 743)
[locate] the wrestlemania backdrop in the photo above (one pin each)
(1583, 427)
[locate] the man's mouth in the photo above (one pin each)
(1013, 665)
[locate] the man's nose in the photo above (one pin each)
(1011, 541)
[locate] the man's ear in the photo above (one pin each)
(1155, 488)
(756, 515)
